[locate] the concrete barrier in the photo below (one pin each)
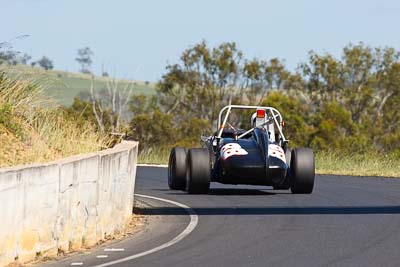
(61, 206)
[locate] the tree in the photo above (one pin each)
(25, 59)
(204, 80)
(82, 112)
(142, 104)
(111, 104)
(358, 67)
(324, 76)
(254, 82)
(45, 63)
(346, 103)
(276, 74)
(387, 77)
(85, 59)
(154, 129)
(296, 115)
(7, 55)
(263, 76)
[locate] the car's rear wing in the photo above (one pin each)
(272, 113)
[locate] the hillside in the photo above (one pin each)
(35, 129)
(63, 86)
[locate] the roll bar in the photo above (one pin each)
(272, 111)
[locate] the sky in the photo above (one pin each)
(137, 39)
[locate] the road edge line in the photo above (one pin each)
(194, 219)
(152, 165)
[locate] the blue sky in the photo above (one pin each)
(137, 39)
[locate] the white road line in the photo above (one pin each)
(152, 165)
(194, 219)
(102, 256)
(76, 263)
(113, 249)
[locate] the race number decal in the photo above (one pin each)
(232, 149)
(277, 152)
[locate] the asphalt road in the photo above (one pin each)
(347, 221)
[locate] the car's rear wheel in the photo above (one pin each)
(302, 170)
(177, 168)
(198, 171)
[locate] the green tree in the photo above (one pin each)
(387, 116)
(189, 132)
(346, 103)
(254, 82)
(45, 63)
(358, 64)
(204, 80)
(7, 54)
(276, 74)
(153, 129)
(334, 126)
(297, 117)
(142, 104)
(84, 58)
(324, 77)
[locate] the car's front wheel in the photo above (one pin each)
(177, 168)
(302, 170)
(198, 172)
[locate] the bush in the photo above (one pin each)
(297, 118)
(153, 129)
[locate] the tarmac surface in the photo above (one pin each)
(347, 221)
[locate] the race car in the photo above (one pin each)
(257, 156)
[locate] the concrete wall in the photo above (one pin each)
(67, 204)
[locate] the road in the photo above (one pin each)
(347, 221)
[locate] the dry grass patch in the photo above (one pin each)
(154, 155)
(33, 128)
(366, 164)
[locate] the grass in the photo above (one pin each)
(64, 86)
(367, 164)
(33, 128)
(154, 155)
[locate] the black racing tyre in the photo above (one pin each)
(177, 168)
(198, 171)
(284, 186)
(302, 169)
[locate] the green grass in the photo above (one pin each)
(367, 164)
(64, 86)
(154, 155)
